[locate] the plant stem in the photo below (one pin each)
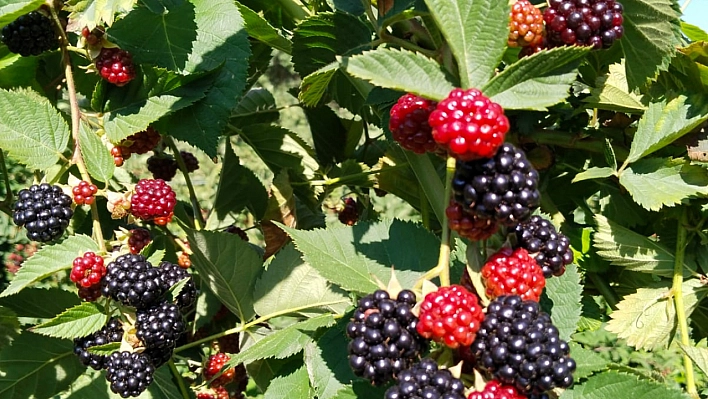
(407, 45)
(676, 289)
(444, 258)
(6, 177)
(605, 290)
(565, 140)
(370, 14)
(199, 221)
(685, 5)
(180, 381)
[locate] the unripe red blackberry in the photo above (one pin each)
(409, 123)
(87, 270)
(533, 49)
(469, 225)
(494, 390)
(84, 193)
(469, 125)
(214, 365)
(111, 332)
(89, 294)
(526, 25)
(154, 201)
(513, 272)
(162, 167)
(171, 274)
(519, 345)
(44, 210)
(190, 161)
(238, 231)
(133, 281)
(349, 213)
(550, 249)
(30, 34)
(595, 23)
(384, 340)
(450, 315)
(425, 380)
(116, 66)
(129, 374)
(139, 239)
(160, 326)
(503, 188)
(117, 154)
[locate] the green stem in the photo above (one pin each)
(199, 221)
(681, 242)
(344, 179)
(430, 182)
(180, 381)
(407, 45)
(565, 140)
(370, 14)
(444, 258)
(6, 176)
(605, 290)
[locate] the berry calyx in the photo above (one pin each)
(425, 380)
(513, 272)
(133, 281)
(87, 270)
(129, 374)
(139, 238)
(84, 193)
(450, 315)
(409, 123)
(494, 390)
(116, 66)
(469, 225)
(162, 167)
(597, 24)
(190, 161)
(30, 34)
(153, 201)
(44, 210)
(213, 367)
(526, 25)
(550, 248)
(469, 125)
(349, 213)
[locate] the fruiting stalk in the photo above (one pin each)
(198, 217)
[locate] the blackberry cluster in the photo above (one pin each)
(160, 326)
(349, 213)
(384, 337)
(116, 66)
(111, 332)
(133, 281)
(44, 210)
(171, 274)
(519, 346)
(129, 373)
(551, 248)
(190, 161)
(469, 225)
(30, 34)
(409, 124)
(596, 23)
(424, 380)
(503, 188)
(162, 168)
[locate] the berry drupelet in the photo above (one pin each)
(129, 374)
(44, 210)
(133, 281)
(526, 25)
(213, 367)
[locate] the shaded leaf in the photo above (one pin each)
(281, 209)
(611, 92)
(10, 10)
(256, 106)
(328, 134)
(260, 29)
(9, 327)
(295, 385)
(587, 361)
(314, 86)
(594, 173)
(40, 303)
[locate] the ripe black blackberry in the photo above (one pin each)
(550, 248)
(133, 281)
(44, 210)
(162, 168)
(384, 337)
(129, 373)
(111, 332)
(503, 188)
(190, 161)
(424, 380)
(171, 274)
(519, 345)
(160, 326)
(159, 356)
(349, 214)
(30, 34)
(596, 23)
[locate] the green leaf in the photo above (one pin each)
(650, 38)
(623, 247)
(565, 292)
(647, 319)
(429, 181)
(611, 92)
(538, 81)
(260, 29)
(314, 86)
(292, 286)
(693, 32)
(594, 173)
(321, 38)
(37, 367)
(33, 131)
(476, 32)
(40, 303)
(256, 106)
(699, 356)
(105, 349)
(588, 362)
(10, 10)
(664, 122)
(295, 385)
(229, 265)
(99, 161)
(9, 327)
(657, 182)
(208, 305)
(76, 322)
(282, 343)
(613, 385)
(176, 289)
(329, 373)
(49, 260)
(401, 70)
(93, 384)
(338, 253)
(156, 257)
(91, 13)
(328, 134)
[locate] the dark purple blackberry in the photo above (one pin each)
(111, 332)
(503, 188)
(190, 161)
(424, 380)
(519, 345)
(129, 373)
(550, 248)
(30, 34)
(171, 274)
(159, 356)
(162, 168)
(596, 23)
(44, 210)
(384, 340)
(133, 281)
(160, 326)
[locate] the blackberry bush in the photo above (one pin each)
(44, 210)
(30, 34)
(550, 249)
(133, 281)
(111, 332)
(425, 380)
(129, 374)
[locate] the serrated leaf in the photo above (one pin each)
(208, 305)
(229, 265)
(295, 385)
(99, 161)
(49, 260)
(176, 289)
(351, 256)
(156, 257)
(314, 86)
(256, 106)
(328, 134)
(591, 317)
(93, 384)
(76, 322)
(324, 381)
(401, 70)
(587, 361)
(613, 385)
(538, 81)
(664, 122)
(565, 292)
(33, 131)
(260, 29)
(292, 286)
(611, 92)
(623, 247)
(37, 367)
(699, 356)
(658, 182)
(10, 10)
(40, 303)
(329, 373)
(594, 173)
(647, 319)
(650, 38)
(104, 350)
(476, 32)
(91, 13)
(693, 32)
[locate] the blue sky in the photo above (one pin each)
(696, 13)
